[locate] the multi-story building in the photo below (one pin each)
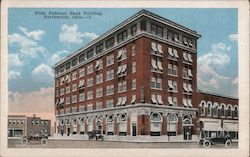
(20, 125)
(139, 78)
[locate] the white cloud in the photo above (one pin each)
(36, 101)
(57, 56)
(35, 34)
(27, 46)
(13, 75)
(233, 37)
(14, 59)
(209, 70)
(43, 70)
(71, 35)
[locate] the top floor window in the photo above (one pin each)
(62, 68)
(74, 62)
(82, 57)
(122, 36)
(110, 43)
(133, 30)
(157, 30)
(67, 65)
(90, 69)
(110, 60)
(99, 48)
(122, 54)
(90, 54)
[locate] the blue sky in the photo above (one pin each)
(36, 44)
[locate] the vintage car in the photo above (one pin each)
(208, 141)
(95, 134)
(35, 139)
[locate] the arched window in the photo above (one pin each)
(235, 111)
(229, 111)
(155, 117)
(122, 118)
(110, 125)
(172, 124)
(110, 119)
(215, 109)
(209, 106)
(122, 125)
(155, 124)
(203, 106)
(223, 110)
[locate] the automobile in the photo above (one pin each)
(208, 141)
(42, 139)
(95, 134)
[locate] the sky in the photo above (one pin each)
(35, 44)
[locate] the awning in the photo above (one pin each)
(170, 84)
(124, 100)
(119, 70)
(124, 68)
(190, 87)
(185, 87)
(176, 53)
(153, 63)
(185, 56)
(119, 102)
(153, 46)
(190, 73)
(159, 48)
(159, 99)
(230, 126)
(190, 58)
(212, 126)
(159, 65)
(190, 44)
(81, 83)
(189, 101)
(66, 78)
(185, 41)
(119, 53)
(153, 99)
(170, 51)
(97, 64)
(62, 79)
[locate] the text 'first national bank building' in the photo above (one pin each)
(139, 78)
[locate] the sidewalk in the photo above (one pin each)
(155, 139)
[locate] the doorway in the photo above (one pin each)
(133, 129)
(68, 131)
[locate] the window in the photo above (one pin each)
(99, 64)
(99, 78)
(222, 110)
(62, 80)
(67, 100)
(122, 36)
(122, 54)
(172, 101)
(110, 89)
(57, 92)
(99, 48)
(235, 111)
(67, 89)
(90, 54)
(57, 83)
(187, 57)
(156, 65)
(61, 91)
(67, 65)
(156, 99)
(157, 30)
(74, 87)
(90, 69)
(133, 30)
(172, 86)
(110, 103)
(176, 37)
(187, 87)
(185, 41)
(229, 111)
(133, 67)
(81, 97)
(74, 62)
(89, 107)
(133, 99)
(99, 92)
(110, 60)
(134, 84)
(133, 49)
(67, 78)
(172, 53)
(74, 99)
(89, 95)
(81, 108)
(98, 105)
(122, 86)
(187, 102)
(110, 75)
(122, 70)
(82, 72)
(109, 43)
(81, 85)
(185, 73)
(190, 43)
(121, 101)
(172, 70)
(209, 106)
(62, 68)
(156, 49)
(90, 82)
(74, 110)
(172, 124)
(74, 75)
(82, 57)
(156, 82)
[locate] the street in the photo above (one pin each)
(52, 143)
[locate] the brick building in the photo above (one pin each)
(139, 78)
(20, 125)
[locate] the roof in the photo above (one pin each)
(216, 94)
(134, 17)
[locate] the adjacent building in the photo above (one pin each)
(139, 78)
(21, 125)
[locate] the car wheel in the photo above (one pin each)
(206, 143)
(44, 141)
(24, 141)
(228, 143)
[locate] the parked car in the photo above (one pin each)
(208, 141)
(95, 134)
(35, 139)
